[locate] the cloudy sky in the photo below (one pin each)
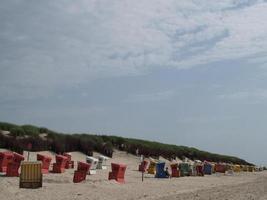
(187, 72)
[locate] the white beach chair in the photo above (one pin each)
(102, 162)
(93, 162)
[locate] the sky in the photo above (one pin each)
(187, 72)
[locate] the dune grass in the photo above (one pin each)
(42, 138)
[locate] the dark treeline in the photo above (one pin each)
(44, 139)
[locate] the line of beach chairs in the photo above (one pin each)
(31, 172)
(196, 168)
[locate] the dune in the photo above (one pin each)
(78, 156)
(33, 155)
(1, 150)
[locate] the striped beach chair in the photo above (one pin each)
(31, 175)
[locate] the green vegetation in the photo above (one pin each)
(7, 126)
(18, 131)
(21, 136)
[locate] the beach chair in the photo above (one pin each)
(160, 172)
(244, 168)
(81, 172)
(207, 168)
(13, 167)
(220, 168)
(59, 166)
(45, 160)
(152, 167)
(199, 170)
(175, 170)
(118, 172)
(184, 168)
(142, 167)
(102, 162)
(251, 168)
(31, 175)
(93, 162)
(69, 163)
(5, 159)
(82, 166)
(237, 168)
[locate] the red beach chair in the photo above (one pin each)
(46, 160)
(13, 167)
(175, 170)
(143, 166)
(5, 159)
(82, 166)
(81, 172)
(69, 163)
(59, 166)
(220, 168)
(117, 173)
(200, 170)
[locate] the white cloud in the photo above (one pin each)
(54, 44)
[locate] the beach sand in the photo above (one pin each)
(242, 186)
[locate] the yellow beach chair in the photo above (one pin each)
(152, 167)
(244, 168)
(251, 168)
(31, 175)
(237, 168)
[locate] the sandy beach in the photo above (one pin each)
(60, 186)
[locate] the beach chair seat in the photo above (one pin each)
(237, 168)
(251, 169)
(12, 170)
(79, 176)
(31, 175)
(244, 168)
(175, 170)
(220, 168)
(184, 169)
(152, 167)
(93, 163)
(118, 172)
(160, 172)
(82, 166)
(59, 166)
(5, 159)
(143, 166)
(199, 170)
(207, 168)
(46, 161)
(81, 172)
(17, 158)
(69, 163)
(102, 162)
(13, 167)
